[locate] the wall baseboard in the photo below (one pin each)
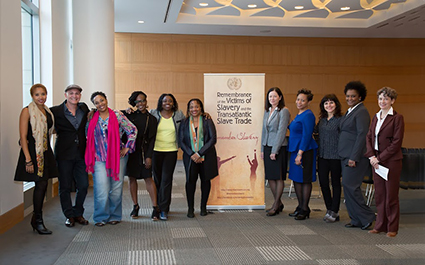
(11, 218)
(55, 189)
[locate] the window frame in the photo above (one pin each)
(31, 7)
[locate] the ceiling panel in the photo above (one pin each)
(300, 18)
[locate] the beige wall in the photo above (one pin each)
(159, 63)
(10, 106)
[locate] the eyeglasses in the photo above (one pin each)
(139, 101)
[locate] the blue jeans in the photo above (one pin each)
(107, 193)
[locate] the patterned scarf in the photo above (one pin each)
(113, 152)
(40, 133)
(196, 139)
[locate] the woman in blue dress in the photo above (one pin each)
(302, 148)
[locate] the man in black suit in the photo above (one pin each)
(70, 123)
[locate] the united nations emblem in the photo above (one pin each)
(234, 83)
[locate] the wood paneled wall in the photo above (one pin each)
(162, 63)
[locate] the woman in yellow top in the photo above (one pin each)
(165, 150)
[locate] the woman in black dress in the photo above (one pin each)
(273, 145)
(197, 138)
(36, 161)
(139, 165)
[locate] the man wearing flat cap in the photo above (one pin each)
(70, 123)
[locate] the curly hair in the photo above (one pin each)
(306, 92)
(200, 104)
(97, 93)
(326, 98)
(161, 98)
(387, 91)
(133, 97)
(281, 104)
(359, 87)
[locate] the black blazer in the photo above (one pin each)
(208, 150)
(69, 140)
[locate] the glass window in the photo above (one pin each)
(30, 53)
(27, 56)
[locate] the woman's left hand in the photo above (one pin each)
(298, 160)
(273, 156)
(351, 163)
(374, 162)
(148, 163)
(124, 151)
(207, 115)
(90, 114)
(195, 158)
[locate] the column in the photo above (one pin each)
(11, 198)
(93, 48)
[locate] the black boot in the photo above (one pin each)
(37, 224)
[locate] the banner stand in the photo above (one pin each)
(236, 105)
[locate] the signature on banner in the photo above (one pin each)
(242, 136)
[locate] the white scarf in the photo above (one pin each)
(38, 123)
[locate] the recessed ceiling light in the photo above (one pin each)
(203, 4)
(299, 7)
(252, 6)
(345, 8)
(140, 21)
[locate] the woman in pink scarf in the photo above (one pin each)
(106, 157)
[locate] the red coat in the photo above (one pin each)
(390, 138)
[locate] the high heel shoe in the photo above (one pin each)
(273, 212)
(303, 215)
(155, 213)
(295, 213)
(38, 224)
(135, 213)
(280, 209)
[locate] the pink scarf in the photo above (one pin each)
(113, 151)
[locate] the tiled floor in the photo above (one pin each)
(225, 237)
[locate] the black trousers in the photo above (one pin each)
(163, 164)
(70, 171)
(195, 170)
(332, 166)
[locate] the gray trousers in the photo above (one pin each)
(352, 178)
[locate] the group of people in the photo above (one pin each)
(140, 144)
(111, 144)
(346, 146)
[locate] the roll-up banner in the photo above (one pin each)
(236, 105)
